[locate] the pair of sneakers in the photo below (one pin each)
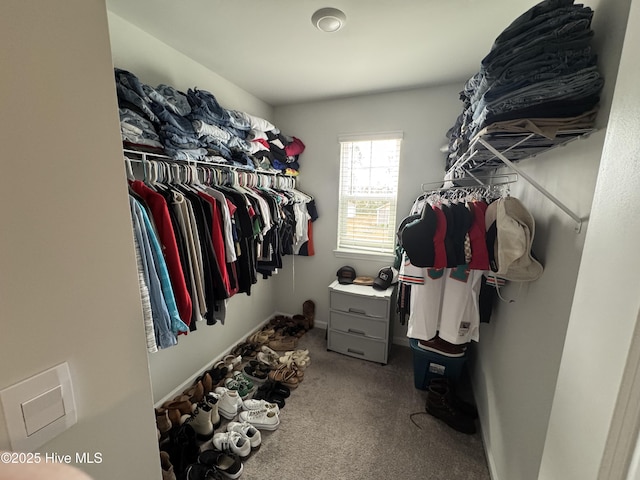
(215, 465)
(261, 414)
(241, 438)
(228, 401)
(240, 383)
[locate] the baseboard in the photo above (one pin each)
(487, 453)
(493, 472)
(322, 325)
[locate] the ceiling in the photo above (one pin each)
(271, 49)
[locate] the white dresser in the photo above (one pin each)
(360, 321)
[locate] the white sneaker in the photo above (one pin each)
(228, 402)
(261, 419)
(232, 442)
(253, 404)
(248, 430)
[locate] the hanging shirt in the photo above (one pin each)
(164, 227)
(177, 325)
(160, 313)
(147, 313)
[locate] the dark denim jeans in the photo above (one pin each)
(581, 84)
(557, 24)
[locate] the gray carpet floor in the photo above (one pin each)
(349, 419)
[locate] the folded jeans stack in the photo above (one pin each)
(165, 109)
(541, 67)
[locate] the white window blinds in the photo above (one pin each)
(369, 167)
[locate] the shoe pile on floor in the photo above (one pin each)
(207, 432)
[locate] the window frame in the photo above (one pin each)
(364, 250)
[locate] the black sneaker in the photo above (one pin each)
(197, 471)
(227, 464)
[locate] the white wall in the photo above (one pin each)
(68, 282)
(154, 62)
(606, 302)
(516, 363)
(424, 115)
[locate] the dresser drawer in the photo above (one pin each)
(358, 325)
(369, 306)
(357, 346)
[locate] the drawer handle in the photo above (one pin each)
(357, 310)
(357, 332)
(357, 352)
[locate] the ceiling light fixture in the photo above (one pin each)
(328, 19)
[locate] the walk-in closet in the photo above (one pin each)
(295, 240)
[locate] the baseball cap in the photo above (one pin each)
(386, 277)
(346, 275)
(417, 238)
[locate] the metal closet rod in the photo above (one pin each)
(481, 181)
(161, 157)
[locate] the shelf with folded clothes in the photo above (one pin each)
(194, 126)
(493, 148)
(515, 145)
(537, 88)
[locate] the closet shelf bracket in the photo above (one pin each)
(534, 184)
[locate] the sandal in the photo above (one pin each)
(294, 361)
(268, 359)
(245, 349)
(259, 337)
(285, 375)
(231, 361)
(256, 371)
(283, 343)
(218, 373)
(278, 321)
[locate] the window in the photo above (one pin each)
(369, 167)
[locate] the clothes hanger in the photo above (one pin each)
(129, 169)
